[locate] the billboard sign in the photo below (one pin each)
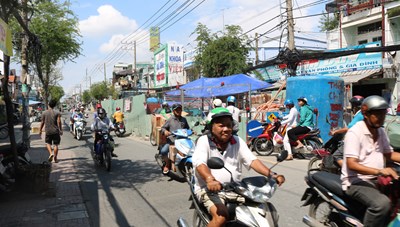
(175, 65)
(154, 38)
(160, 67)
(5, 39)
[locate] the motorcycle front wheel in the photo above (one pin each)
(107, 158)
(79, 135)
(263, 146)
(197, 222)
(314, 164)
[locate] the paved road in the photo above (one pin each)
(135, 193)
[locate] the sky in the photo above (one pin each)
(109, 28)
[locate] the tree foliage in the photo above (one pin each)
(86, 97)
(329, 22)
(99, 90)
(56, 26)
(221, 55)
(56, 92)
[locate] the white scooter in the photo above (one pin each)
(247, 201)
(79, 127)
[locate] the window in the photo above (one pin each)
(362, 42)
(369, 28)
(375, 39)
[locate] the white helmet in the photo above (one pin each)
(217, 103)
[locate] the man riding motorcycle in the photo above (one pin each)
(234, 152)
(366, 148)
(118, 116)
(101, 122)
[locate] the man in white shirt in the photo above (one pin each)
(291, 121)
(235, 154)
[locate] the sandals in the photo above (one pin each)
(51, 158)
(165, 171)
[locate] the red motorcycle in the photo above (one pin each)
(263, 144)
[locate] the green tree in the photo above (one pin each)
(56, 92)
(86, 97)
(221, 55)
(328, 22)
(99, 90)
(56, 26)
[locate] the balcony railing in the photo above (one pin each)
(356, 6)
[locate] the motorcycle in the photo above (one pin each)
(103, 149)
(79, 127)
(7, 167)
(248, 203)
(119, 129)
(330, 206)
(263, 144)
(181, 157)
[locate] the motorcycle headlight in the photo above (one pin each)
(105, 136)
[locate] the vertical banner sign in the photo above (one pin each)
(5, 39)
(175, 65)
(154, 38)
(127, 105)
(160, 66)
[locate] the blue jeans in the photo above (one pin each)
(164, 149)
(378, 204)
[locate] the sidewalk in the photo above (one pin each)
(61, 205)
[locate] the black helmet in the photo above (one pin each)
(176, 106)
(101, 113)
(356, 101)
(374, 102)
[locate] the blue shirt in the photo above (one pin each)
(358, 117)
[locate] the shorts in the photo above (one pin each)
(209, 199)
(53, 139)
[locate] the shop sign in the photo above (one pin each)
(160, 68)
(175, 65)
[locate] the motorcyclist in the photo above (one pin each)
(366, 147)
(175, 122)
(118, 116)
(75, 117)
(291, 121)
(338, 134)
(166, 111)
(305, 124)
(234, 152)
(102, 122)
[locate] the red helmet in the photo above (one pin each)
(117, 108)
(98, 106)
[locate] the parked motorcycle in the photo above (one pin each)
(79, 127)
(119, 129)
(263, 144)
(330, 206)
(103, 150)
(249, 204)
(7, 167)
(184, 147)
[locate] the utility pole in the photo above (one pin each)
(256, 48)
(105, 75)
(134, 64)
(289, 6)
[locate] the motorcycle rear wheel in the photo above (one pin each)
(321, 211)
(153, 139)
(107, 158)
(263, 146)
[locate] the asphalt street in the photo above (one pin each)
(135, 193)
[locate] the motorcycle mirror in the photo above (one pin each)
(283, 155)
(327, 120)
(197, 123)
(215, 163)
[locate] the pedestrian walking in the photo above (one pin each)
(51, 119)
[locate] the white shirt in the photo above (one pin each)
(291, 118)
(358, 143)
(235, 156)
(235, 112)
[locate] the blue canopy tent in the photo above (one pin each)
(221, 86)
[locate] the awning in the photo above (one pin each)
(355, 76)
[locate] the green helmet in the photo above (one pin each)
(219, 112)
